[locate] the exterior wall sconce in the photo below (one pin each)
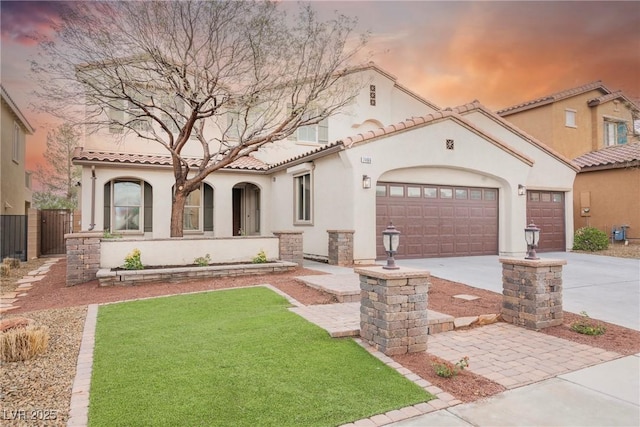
(532, 237)
(390, 241)
(366, 181)
(522, 190)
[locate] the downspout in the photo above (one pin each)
(92, 225)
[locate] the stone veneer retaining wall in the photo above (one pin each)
(109, 277)
(83, 256)
(83, 259)
(532, 292)
(393, 309)
(340, 247)
(290, 247)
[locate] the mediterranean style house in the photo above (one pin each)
(597, 129)
(15, 182)
(453, 181)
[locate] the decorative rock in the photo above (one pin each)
(15, 323)
(464, 322)
(487, 319)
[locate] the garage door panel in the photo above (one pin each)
(546, 210)
(441, 223)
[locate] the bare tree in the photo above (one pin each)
(59, 176)
(229, 76)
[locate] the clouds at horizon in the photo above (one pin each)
(500, 53)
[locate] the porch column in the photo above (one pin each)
(532, 292)
(341, 247)
(83, 256)
(393, 309)
(290, 246)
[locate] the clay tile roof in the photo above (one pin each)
(245, 163)
(611, 96)
(617, 155)
(548, 99)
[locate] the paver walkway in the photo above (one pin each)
(514, 356)
(9, 300)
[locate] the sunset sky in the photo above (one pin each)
(500, 53)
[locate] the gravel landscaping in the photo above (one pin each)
(38, 391)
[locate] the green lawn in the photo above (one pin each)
(232, 358)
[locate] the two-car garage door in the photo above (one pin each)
(443, 221)
(438, 220)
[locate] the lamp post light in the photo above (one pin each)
(390, 241)
(532, 237)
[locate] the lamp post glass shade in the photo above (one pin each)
(532, 237)
(391, 241)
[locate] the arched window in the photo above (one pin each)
(128, 206)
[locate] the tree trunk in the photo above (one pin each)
(177, 213)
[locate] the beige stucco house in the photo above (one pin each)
(15, 186)
(596, 128)
(15, 182)
(453, 181)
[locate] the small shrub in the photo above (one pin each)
(132, 261)
(203, 261)
(4, 270)
(261, 258)
(587, 326)
(590, 239)
(11, 262)
(448, 370)
(23, 343)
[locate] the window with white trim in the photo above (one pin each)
(570, 118)
(318, 133)
(614, 133)
(128, 206)
(15, 155)
(303, 202)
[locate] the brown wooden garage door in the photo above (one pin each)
(438, 220)
(546, 210)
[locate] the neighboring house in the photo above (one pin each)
(598, 129)
(452, 181)
(15, 182)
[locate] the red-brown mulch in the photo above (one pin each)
(51, 292)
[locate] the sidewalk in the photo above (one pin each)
(550, 381)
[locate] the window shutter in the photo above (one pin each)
(323, 131)
(148, 207)
(107, 206)
(208, 208)
(622, 133)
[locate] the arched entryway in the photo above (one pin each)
(246, 209)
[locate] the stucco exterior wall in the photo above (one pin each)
(417, 156)
(610, 203)
(161, 180)
(178, 251)
(13, 191)
(547, 123)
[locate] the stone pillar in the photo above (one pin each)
(532, 292)
(83, 256)
(393, 309)
(340, 247)
(290, 246)
(34, 226)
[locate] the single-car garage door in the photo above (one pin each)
(546, 210)
(438, 220)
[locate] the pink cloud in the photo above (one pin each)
(23, 21)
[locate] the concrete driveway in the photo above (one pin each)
(607, 288)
